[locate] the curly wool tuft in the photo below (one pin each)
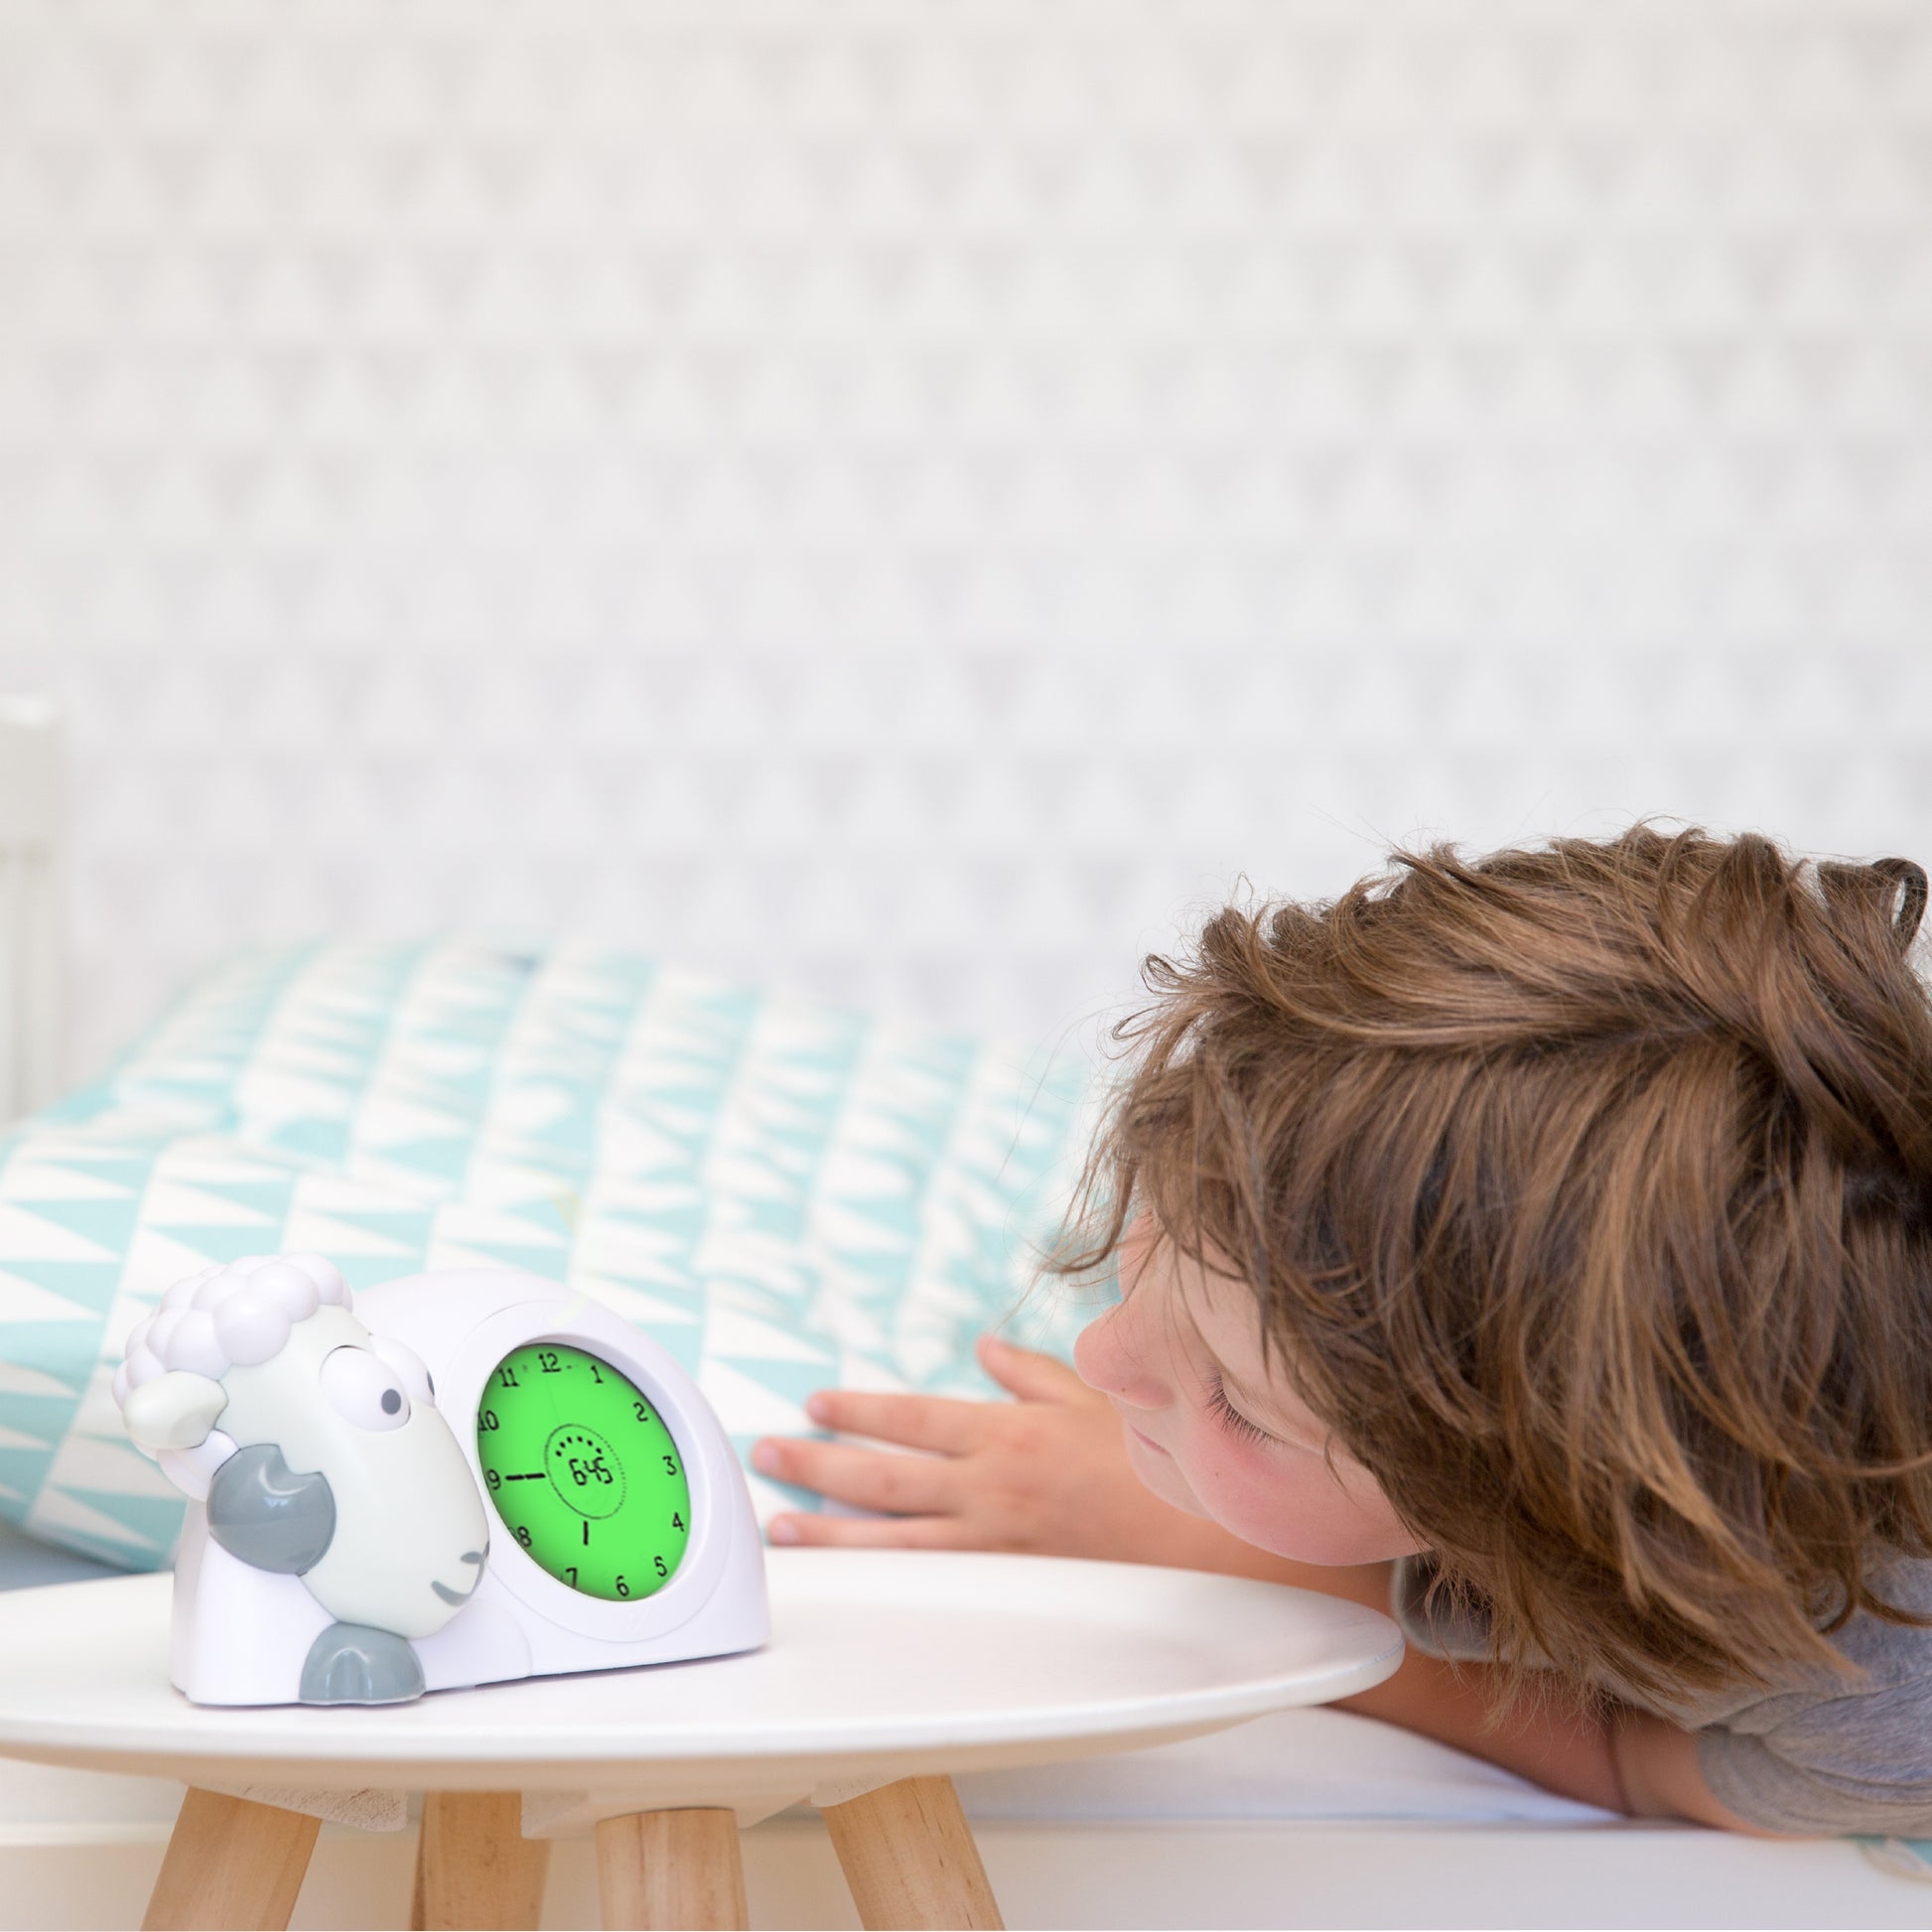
(228, 1317)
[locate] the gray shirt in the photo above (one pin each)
(1822, 1754)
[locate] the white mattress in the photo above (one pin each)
(1298, 1764)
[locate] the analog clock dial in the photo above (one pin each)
(583, 1470)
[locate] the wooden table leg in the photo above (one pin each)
(662, 1868)
(473, 1865)
(909, 1856)
(231, 1863)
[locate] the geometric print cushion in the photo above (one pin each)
(788, 1194)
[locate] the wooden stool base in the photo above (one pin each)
(909, 1856)
(232, 1864)
(473, 1865)
(660, 1870)
(905, 1849)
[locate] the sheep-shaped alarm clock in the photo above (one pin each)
(458, 1477)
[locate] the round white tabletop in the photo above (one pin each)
(881, 1665)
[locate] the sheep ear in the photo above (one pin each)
(175, 1411)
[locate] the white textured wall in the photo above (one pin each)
(903, 498)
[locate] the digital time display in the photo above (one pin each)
(583, 1470)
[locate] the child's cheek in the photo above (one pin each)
(1286, 1501)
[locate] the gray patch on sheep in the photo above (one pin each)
(269, 1517)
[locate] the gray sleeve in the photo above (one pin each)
(1834, 1754)
(1431, 1619)
(1839, 1751)
(1856, 1761)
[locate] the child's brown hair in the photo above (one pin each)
(1586, 1192)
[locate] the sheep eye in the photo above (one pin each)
(410, 1369)
(363, 1389)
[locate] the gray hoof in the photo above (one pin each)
(355, 1663)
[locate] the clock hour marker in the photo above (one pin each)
(595, 1451)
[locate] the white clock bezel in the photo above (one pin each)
(672, 1392)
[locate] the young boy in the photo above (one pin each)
(1539, 1248)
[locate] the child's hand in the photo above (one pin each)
(1048, 1473)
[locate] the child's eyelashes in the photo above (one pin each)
(1229, 1417)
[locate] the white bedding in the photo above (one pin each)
(1298, 1764)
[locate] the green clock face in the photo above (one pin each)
(583, 1470)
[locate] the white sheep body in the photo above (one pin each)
(246, 1344)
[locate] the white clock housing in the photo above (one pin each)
(241, 1633)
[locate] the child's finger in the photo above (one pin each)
(868, 1532)
(927, 1421)
(907, 1485)
(1028, 1374)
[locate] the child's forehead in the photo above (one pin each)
(1207, 1298)
(1202, 1273)
(1212, 1304)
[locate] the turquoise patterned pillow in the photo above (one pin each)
(786, 1193)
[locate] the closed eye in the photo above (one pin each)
(1231, 1418)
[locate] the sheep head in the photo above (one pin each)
(271, 1350)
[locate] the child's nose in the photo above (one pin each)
(1107, 1355)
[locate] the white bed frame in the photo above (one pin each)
(81, 1850)
(34, 843)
